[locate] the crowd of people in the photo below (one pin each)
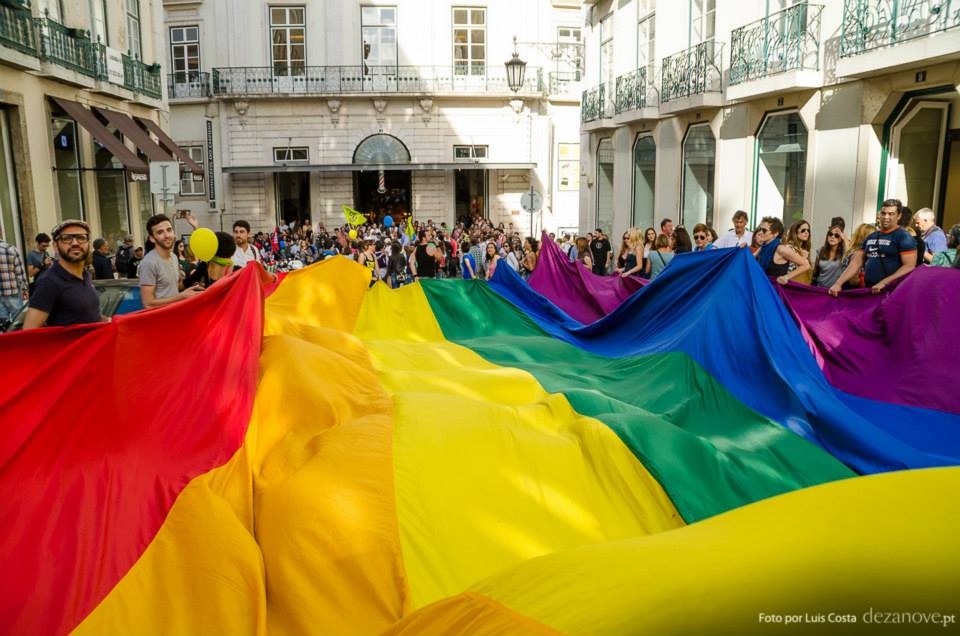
(58, 288)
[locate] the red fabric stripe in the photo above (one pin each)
(102, 427)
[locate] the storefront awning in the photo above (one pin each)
(134, 133)
(88, 120)
(170, 145)
(353, 167)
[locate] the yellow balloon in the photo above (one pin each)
(353, 234)
(203, 243)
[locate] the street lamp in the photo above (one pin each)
(516, 69)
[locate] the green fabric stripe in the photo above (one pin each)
(708, 450)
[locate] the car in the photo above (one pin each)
(117, 297)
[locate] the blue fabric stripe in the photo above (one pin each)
(720, 308)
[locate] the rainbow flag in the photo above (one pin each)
(460, 457)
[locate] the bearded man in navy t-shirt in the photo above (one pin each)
(888, 254)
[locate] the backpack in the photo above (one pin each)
(124, 257)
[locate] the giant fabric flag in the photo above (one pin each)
(462, 457)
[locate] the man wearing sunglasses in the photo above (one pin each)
(64, 295)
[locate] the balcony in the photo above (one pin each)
(564, 84)
(66, 47)
(347, 80)
(188, 85)
(635, 97)
(877, 23)
(597, 103)
(787, 40)
(923, 30)
(141, 78)
(17, 31)
(782, 51)
(692, 78)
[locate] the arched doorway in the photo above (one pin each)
(379, 190)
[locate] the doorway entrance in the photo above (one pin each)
(394, 200)
(951, 189)
(470, 193)
(293, 197)
(916, 154)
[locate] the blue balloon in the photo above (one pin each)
(388, 221)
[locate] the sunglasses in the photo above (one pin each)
(836, 235)
(699, 237)
(761, 230)
(804, 230)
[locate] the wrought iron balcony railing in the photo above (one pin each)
(592, 103)
(694, 71)
(141, 78)
(17, 30)
(787, 40)
(188, 85)
(871, 24)
(631, 91)
(339, 80)
(70, 48)
(563, 82)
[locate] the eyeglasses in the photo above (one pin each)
(699, 237)
(66, 239)
(836, 235)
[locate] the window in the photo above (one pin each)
(52, 8)
(605, 186)
(288, 37)
(185, 53)
(9, 205)
(606, 50)
(295, 154)
(111, 180)
(470, 152)
(915, 160)
(133, 29)
(699, 166)
(569, 48)
(782, 166)
(192, 184)
(568, 169)
(644, 181)
(378, 31)
(469, 41)
(98, 22)
(703, 14)
(646, 38)
(66, 159)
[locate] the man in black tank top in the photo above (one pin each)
(425, 259)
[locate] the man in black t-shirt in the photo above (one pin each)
(64, 295)
(425, 256)
(600, 252)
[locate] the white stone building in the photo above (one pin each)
(297, 108)
(695, 109)
(81, 97)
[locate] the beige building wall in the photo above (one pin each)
(28, 79)
(845, 102)
(429, 122)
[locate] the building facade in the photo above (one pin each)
(81, 116)
(698, 108)
(299, 108)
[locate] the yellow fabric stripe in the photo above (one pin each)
(884, 542)
(490, 469)
(306, 505)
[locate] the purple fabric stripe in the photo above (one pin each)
(583, 295)
(899, 348)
